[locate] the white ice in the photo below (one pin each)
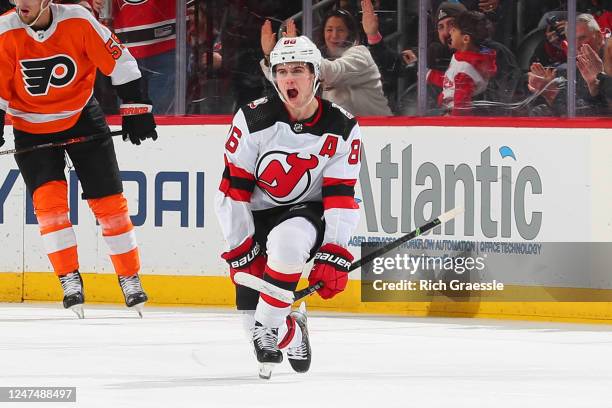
(200, 358)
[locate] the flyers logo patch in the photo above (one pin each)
(40, 74)
(285, 177)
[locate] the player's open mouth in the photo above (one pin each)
(292, 93)
(24, 12)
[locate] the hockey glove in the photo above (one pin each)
(246, 257)
(137, 122)
(331, 265)
(2, 113)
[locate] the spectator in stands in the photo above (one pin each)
(589, 102)
(240, 28)
(391, 64)
(208, 89)
(499, 12)
(472, 64)
(593, 71)
(501, 88)
(552, 52)
(349, 76)
(484, 6)
(148, 29)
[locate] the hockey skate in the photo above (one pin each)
(301, 355)
(265, 340)
(133, 293)
(72, 284)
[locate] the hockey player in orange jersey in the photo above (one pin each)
(50, 54)
(287, 196)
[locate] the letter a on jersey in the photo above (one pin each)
(285, 177)
(40, 74)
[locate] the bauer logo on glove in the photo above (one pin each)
(246, 258)
(339, 262)
(331, 266)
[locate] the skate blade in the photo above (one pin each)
(265, 370)
(78, 310)
(138, 308)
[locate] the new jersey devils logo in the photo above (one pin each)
(39, 74)
(285, 177)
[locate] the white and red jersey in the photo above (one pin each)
(271, 160)
(467, 76)
(147, 27)
(47, 77)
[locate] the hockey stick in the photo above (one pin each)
(62, 143)
(288, 296)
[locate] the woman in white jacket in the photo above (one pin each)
(349, 75)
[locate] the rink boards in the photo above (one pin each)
(523, 184)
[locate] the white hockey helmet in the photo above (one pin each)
(296, 49)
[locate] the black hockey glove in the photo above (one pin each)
(137, 122)
(2, 113)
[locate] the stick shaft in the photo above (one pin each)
(392, 245)
(62, 143)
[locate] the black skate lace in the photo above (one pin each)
(130, 284)
(265, 337)
(71, 283)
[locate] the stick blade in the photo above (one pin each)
(449, 215)
(260, 285)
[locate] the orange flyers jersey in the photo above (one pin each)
(47, 77)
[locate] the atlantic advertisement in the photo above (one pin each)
(529, 200)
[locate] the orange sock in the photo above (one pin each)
(51, 208)
(118, 232)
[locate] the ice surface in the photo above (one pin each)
(183, 357)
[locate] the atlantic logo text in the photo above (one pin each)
(514, 193)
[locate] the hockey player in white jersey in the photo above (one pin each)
(287, 196)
